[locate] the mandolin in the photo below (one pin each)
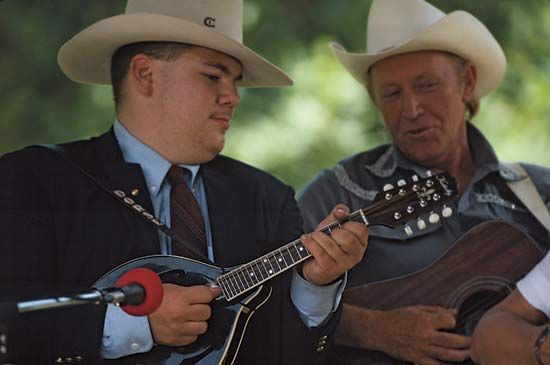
(244, 288)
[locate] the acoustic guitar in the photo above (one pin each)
(243, 288)
(476, 272)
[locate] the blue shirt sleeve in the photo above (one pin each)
(315, 303)
(124, 334)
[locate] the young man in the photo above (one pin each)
(425, 71)
(175, 67)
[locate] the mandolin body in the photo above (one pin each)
(227, 325)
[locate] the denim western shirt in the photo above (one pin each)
(356, 181)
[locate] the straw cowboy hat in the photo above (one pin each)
(401, 26)
(215, 24)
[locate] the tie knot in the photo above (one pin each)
(178, 175)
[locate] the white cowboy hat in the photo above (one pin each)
(401, 26)
(215, 24)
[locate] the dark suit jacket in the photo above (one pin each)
(60, 232)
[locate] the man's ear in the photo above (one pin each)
(140, 75)
(469, 81)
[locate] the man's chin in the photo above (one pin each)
(218, 149)
(212, 153)
(427, 157)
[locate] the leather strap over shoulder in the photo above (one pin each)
(526, 191)
(128, 202)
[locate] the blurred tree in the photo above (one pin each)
(291, 132)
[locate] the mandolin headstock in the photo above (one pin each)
(394, 207)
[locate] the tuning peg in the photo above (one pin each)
(433, 218)
(387, 187)
(401, 182)
(408, 230)
(428, 173)
(410, 209)
(415, 178)
(447, 211)
(421, 224)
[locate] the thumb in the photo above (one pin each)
(215, 291)
(339, 212)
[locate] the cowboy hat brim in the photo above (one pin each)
(87, 56)
(459, 33)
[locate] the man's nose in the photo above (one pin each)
(410, 106)
(230, 96)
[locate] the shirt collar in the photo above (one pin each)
(484, 156)
(154, 166)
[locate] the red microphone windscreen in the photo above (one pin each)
(152, 285)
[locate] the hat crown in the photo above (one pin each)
(392, 23)
(224, 17)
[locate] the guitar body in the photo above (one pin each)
(477, 272)
(226, 326)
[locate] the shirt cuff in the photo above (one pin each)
(124, 334)
(315, 303)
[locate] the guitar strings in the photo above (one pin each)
(483, 306)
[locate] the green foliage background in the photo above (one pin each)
(292, 132)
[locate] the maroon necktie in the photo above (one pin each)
(185, 216)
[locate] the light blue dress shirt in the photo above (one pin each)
(126, 335)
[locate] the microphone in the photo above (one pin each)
(139, 292)
(143, 291)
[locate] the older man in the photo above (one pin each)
(425, 71)
(175, 66)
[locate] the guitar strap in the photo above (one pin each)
(526, 191)
(129, 203)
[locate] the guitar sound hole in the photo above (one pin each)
(475, 297)
(474, 307)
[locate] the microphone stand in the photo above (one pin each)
(129, 294)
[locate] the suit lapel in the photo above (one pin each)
(115, 173)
